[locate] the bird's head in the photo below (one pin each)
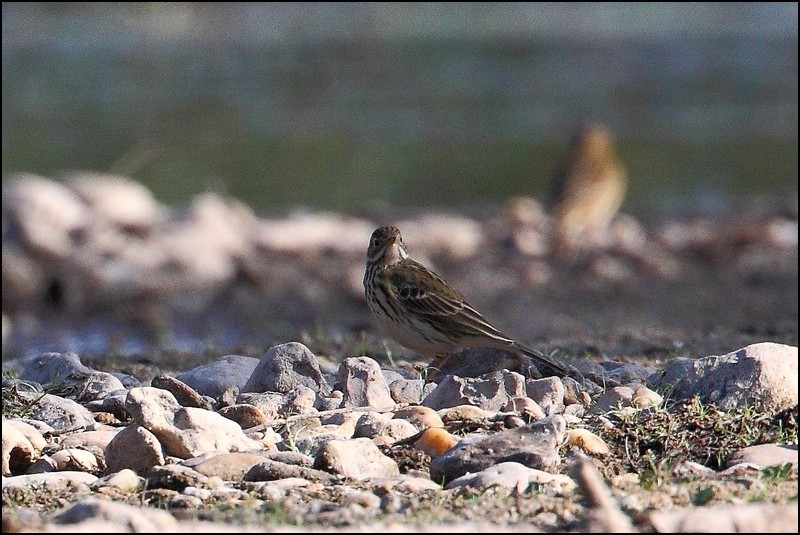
(386, 246)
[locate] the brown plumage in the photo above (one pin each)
(589, 188)
(422, 312)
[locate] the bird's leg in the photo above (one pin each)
(438, 363)
(525, 365)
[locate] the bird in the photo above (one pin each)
(589, 186)
(424, 313)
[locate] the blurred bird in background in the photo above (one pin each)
(588, 189)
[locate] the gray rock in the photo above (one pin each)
(290, 457)
(67, 371)
(330, 402)
(490, 392)
(46, 215)
(175, 477)
(619, 396)
(185, 431)
(404, 483)
(626, 373)
(367, 422)
(766, 455)
(388, 432)
(410, 390)
(275, 491)
(534, 446)
(134, 448)
(46, 464)
(63, 479)
(124, 480)
(589, 367)
(482, 361)
(128, 381)
(548, 393)
(574, 391)
(50, 368)
(271, 470)
(184, 394)
(363, 384)
(245, 415)
(299, 400)
(228, 466)
(284, 367)
(230, 371)
(18, 451)
(591, 376)
(114, 403)
(391, 375)
(764, 373)
(739, 518)
(514, 477)
(311, 442)
(270, 403)
(358, 458)
(62, 414)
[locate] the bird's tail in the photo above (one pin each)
(547, 365)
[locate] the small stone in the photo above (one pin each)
(75, 459)
(214, 379)
(358, 458)
(534, 446)
(420, 417)
(548, 393)
(284, 367)
(363, 384)
(766, 455)
(513, 476)
(490, 391)
(119, 453)
(245, 415)
(126, 480)
(184, 394)
(614, 398)
(465, 413)
(764, 373)
(526, 407)
(644, 398)
(587, 441)
(435, 441)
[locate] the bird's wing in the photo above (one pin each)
(427, 295)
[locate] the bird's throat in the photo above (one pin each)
(395, 254)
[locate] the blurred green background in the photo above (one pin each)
(338, 106)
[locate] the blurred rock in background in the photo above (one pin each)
(96, 264)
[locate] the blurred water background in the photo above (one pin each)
(351, 105)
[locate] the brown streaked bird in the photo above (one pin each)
(422, 312)
(588, 189)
